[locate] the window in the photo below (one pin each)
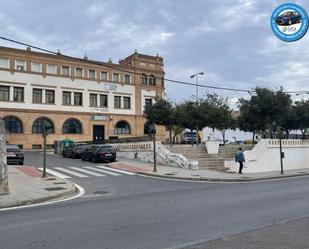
(72, 126)
(18, 94)
(103, 75)
(20, 65)
(144, 79)
(4, 63)
(127, 78)
(148, 102)
(126, 102)
(66, 98)
(37, 126)
(91, 74)
(36, 146)
(4, 93)
(116, 77)
(103, 100)
(78, 72)
(78, 99)
(117, 102)
(152, 80)
(65, 70)
(36, 67)
(37, 95)
(13, 124)
(93, 100)
(52, 69)
(122, 127)
(49, 96)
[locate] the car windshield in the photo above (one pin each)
(12, 147)
(106, 148)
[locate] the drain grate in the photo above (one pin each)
(170, 174)
(50, 179)
(100, 192)
(54, 189)
(58, 183)
(303, 172)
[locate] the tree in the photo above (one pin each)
(187, 115)
(177, 130)
(162, 112)
(301, 109)
(217, 114)
(266, 110)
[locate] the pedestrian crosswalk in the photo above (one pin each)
(85, 171)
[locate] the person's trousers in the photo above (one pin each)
(241, 165)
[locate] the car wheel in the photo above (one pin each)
(73, 156)
(63, 154)
(21, 163)
(83, 158)
(94, 160)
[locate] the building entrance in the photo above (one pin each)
(98, 134)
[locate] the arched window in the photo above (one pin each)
(72, 126)
(122, 127)
(37, 126)
(144, 79)
(147, 128)
(13, 124)
(152, 80)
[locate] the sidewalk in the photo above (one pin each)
(200, 175)
(27, 186)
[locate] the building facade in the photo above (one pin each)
(79, 99)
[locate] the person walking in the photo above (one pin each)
(240, 158)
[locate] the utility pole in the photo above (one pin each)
(44, 134)
(280, 148)
(154, 150)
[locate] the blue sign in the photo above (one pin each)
(289, 22)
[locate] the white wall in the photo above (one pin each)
(64, 84)
(230, 134)
(265, 156)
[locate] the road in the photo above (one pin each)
(146, 213)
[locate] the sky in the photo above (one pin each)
(229, 40)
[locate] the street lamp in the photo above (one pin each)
(196, 96)
(196, 77)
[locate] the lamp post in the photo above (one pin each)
(152, 130)
(196, 77)
(196, 97)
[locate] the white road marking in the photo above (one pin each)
(117, 170)
(81, 193)
(71, 172)
(55, 173)
(102, 171)
(87, 171)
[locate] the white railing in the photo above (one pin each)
(144, 151)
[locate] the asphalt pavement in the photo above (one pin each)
(136, 212)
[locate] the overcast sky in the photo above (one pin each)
(230, 40)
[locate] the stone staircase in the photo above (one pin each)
(208, 161)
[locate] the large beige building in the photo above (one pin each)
(80, 99)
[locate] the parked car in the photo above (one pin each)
(288, 18)
(74, 150)
(98, 153)
(14, 154)
(187, 137)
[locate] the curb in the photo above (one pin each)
(17, 203)
(205, 179)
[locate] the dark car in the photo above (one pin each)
(288, 18)
(98, 153)
(74, 150)
(14, 155)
